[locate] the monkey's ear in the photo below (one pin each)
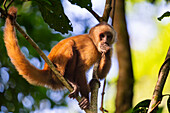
(91, 31)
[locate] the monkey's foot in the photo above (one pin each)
(84, 103)
(75, 91)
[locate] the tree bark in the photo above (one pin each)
(125, 81)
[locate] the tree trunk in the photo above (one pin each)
(125, 81)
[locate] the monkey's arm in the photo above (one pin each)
(105, 64)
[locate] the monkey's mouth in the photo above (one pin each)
(104, 47)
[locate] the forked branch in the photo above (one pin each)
(106, 12)
(162, 76)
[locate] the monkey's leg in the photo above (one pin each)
(84, 89)
(70, 73)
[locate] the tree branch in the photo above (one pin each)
(94, 85)
(106, 13)
(162, 76)
(95, 15)
(41, 53)
(3, 12)
(113, 11)
(107, 10)
(125, 80)
(102, 100)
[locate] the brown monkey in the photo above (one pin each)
(72, 57)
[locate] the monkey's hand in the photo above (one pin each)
(75, 91)
(12, 14)
(84, 103)
(104, 47)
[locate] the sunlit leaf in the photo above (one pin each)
(160, 110)
(53, 14)
(142, 106)
(166, 14)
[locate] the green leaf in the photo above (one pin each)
(53, 14)
(166, 14)
(141, 107)
(82, 3)
(167, 1)
(160, 110)
(168, 104)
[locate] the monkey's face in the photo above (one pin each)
(106, 40)
(103, 37)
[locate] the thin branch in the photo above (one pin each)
(102, 100)
(9, 4)
(106, 13)
(4, 4)
(95, 15)
(3, 13)
(103, 92)
(113, 8)
(163, 74)
(41, 53)
(155, 105)
(107, 10)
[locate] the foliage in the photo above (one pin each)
(166, 14)
(142, 106)
(82, 3)
(53, 14)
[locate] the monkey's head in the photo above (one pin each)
(103, 36)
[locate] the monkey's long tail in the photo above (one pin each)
(32, 74)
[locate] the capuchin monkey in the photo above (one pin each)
(72, 57)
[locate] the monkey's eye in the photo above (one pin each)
(109, 37)
(101, 36)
